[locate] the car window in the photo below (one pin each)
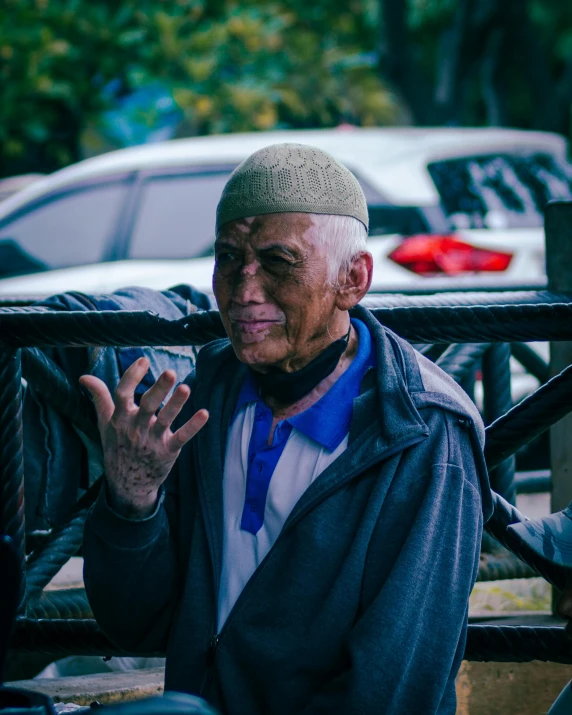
(406, 220)
(70, 228)
(500, 191)
(176, 216)
(372, 195)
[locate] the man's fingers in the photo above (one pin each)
(188, 430)
(152, 399)
(125, 390)
(101, 396)
(171, 410)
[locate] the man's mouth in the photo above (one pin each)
(251, 327)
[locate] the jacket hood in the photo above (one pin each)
(425, 383)
(422, 383)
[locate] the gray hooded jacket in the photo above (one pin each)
(361, 604)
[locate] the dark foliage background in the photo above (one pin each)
(266, 64)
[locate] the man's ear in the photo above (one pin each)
(355, 282)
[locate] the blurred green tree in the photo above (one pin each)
(55, 58)
(260, 64)
(239, 65)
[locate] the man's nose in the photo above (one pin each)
(248, 287)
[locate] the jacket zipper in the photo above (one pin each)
(212, 649)
(214, 640)
(216, 637)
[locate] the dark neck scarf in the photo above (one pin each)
(289, 387)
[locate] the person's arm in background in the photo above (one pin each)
(59, 463)
(130, 567)
(407, 643)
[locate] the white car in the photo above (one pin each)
(442, 202)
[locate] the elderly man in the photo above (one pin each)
(306, 541)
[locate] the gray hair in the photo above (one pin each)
(344, 236)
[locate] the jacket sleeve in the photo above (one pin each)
(408, 640)
(131, 569)
(131, 576)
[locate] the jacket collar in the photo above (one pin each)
(328, 420)
(221, 377)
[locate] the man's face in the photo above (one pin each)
(271, 285)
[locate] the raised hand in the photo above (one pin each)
(139, 448)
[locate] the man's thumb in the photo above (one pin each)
(102, 400)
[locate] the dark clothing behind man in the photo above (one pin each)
(55, 458)
(361, 604)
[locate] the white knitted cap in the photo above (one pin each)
(291, 178)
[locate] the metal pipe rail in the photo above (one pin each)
(464, 298)
(499, 322)
(530, 418)
(536, 482)
(12, 522)
(498, 401)
(498, 567)
(458, 361)
(432, 320)
(531, 361)
(50, 381)
(515, 644)
(62, 543)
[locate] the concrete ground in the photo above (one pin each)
(482, 688)
(534, 594)
(70, 576)
(104, 688)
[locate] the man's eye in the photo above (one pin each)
(224, 257)
(278, 260)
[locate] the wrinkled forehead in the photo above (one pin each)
(289, 227)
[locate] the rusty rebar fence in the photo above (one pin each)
(463, 333)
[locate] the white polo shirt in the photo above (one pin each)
(262, 483)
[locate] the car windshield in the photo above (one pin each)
(501, 190)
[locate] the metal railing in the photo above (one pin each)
(459, 331)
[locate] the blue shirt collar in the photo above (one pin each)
(328, 420)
